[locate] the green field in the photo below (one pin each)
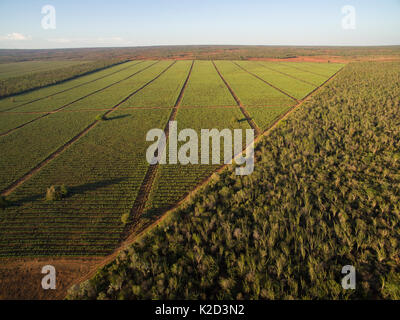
(105, 166)
(206, 88)
(250, 90)
(40, 96)
(103, 170)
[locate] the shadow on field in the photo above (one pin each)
(122, 116)
(244, 120)
(81, 189)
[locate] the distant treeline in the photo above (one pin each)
(228, 52)
(17, 85)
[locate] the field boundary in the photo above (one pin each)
(8, 190)
(251, 122)
(265, 81)
(66, 90)
(77, 100)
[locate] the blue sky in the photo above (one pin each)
(101, 23)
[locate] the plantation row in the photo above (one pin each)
(105, 168)
(325, 194)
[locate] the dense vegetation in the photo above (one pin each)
(325, 193)
(35, 80)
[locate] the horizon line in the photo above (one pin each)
(213, 45)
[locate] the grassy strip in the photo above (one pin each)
(206, 88)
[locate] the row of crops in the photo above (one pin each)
(105, 168)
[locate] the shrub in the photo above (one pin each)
(56, 193)
(101, 117)
(125, 218)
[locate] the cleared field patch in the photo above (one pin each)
(164, 91)
(250, 90)
(206, 88)
(12, 103)
(292, 86)
(16, 69)
(266, 116)
(174, 181)
(103, 171)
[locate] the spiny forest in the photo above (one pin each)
(325, 193)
